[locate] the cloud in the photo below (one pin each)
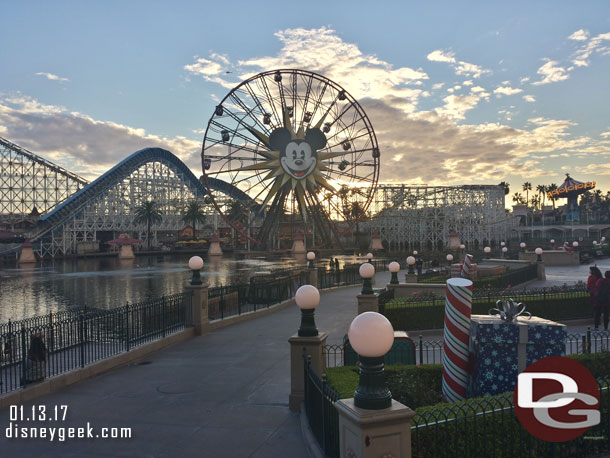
(460, 67)
(596, 44)
(80, 143)
(579, 35)
(457, 105)
(552, 73)
(441, 56)
(323, 51)
(529, 98)
(52, 77)
(506, 90)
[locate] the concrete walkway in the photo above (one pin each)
(220, 395)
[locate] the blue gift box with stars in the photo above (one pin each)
(500, 350)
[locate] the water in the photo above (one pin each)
(108, 282)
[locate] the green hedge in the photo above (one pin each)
(459, 429)
(407, 314)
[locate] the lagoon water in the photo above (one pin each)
(109, 282)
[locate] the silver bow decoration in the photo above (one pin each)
(508, 309)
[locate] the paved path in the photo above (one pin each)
(220, 395)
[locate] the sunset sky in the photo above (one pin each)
(457, 92)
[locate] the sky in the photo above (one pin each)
(457, 92)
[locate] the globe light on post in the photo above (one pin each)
(411, 263)
(394, 268)
(552, 241)
(369, 257)
(504, 250)
(502, 243)
(371, 335)
(367, 271)
(310, 258)
(538, 252)
(415, 252)
(594, 242)
(307, 298)
(522, 245)
(449, 259)
(487, 250)
(196, 264)
(575, 244)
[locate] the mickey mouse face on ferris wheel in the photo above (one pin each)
(298, 157)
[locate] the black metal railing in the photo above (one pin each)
(488, 427)
(263, 291)
(430, 351)
(349, 275)
(321, 413)
(56, 343)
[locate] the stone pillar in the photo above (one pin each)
(200, 308)
(314, 347)
(411, 278)
(27, 255)
(312, 276)
(541, 270)
(368, 303)
(374, 433)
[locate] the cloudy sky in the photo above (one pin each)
(458, 92)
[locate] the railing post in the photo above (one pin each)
(200, 310)
(81, 338)
(127, 326)
(588, 339)
(51, 333)
(584, 343)
(163, 317)
(23, 356)
(421, 349)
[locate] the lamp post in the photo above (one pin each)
(522, 245)
(196, 264)
(487, 250)
(411, 263)
(575, 245)
(367, 271)
(504, 250)
(371, 335)
(462, 248)
(449, 259)
(502, 243)
(552, 243)
(307, 298)
(310, 258)
(538, 252)
(415, 252)
(394, 268)
(369, 257)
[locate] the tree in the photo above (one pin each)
(535, 201)
(541, 192)
(552, 187)
(147, 212)
(505, 186)
(194, 214)
(527, 187)
(237, 214)
(518, 198)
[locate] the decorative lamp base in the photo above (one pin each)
(372, 392)
(308, 324)
(394, 280)
(367, 286)
(196, 279)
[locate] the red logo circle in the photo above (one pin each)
(544, 407)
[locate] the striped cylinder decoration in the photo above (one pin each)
(466, 265)
(456, 338)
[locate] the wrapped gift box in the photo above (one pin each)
(500, 350)
(456, 270)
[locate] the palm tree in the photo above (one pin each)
(517, 198)
(552, 187)
(541, 192)
(527, 187)
(505, 186)
(194, 214)
(535, 201)
(147, 212)
(238, 213)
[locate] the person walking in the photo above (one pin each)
(419, 265)
(602, 300)
(594, 275)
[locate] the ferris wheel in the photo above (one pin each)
(299, 147)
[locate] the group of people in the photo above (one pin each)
(599, 289)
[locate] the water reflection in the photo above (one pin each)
(109, 282)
